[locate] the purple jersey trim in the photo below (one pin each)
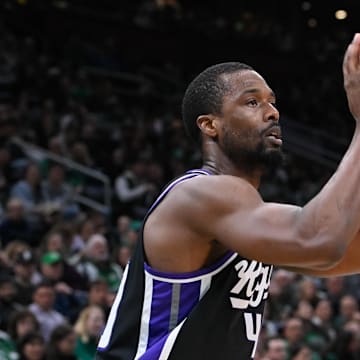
(199, 171)
(188, 275)
(160, 311)
(189, 297)
(153, 352)
(189, 174)
(160, 322)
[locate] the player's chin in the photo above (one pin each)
(274, 156)
(275, 148)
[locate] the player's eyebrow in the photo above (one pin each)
(254, 91)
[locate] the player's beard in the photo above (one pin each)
(249, 150)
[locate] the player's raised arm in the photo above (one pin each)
(316, 235)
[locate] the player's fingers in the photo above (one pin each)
(356, 43)
(350, 62)
(356, 39)
(351, 59)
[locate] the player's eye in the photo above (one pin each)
(252, 102)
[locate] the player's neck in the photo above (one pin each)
(218, 163)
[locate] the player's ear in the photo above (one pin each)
(208, 124)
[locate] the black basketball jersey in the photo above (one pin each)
(213, 313)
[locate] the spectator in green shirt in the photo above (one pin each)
(88, 328)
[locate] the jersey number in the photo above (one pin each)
(253, 327)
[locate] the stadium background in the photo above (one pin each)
(96, 87)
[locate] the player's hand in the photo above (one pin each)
(351, 70)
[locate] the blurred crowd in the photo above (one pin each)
(61, 262)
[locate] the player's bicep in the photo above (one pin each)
(231, 211)
(269, 233)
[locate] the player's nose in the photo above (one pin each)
(271, 113)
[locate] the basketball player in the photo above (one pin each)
(196, 285)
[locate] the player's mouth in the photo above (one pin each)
(274, 135)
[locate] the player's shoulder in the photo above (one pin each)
(217, 182)
(217, 188)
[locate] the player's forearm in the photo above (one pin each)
(333, 216)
